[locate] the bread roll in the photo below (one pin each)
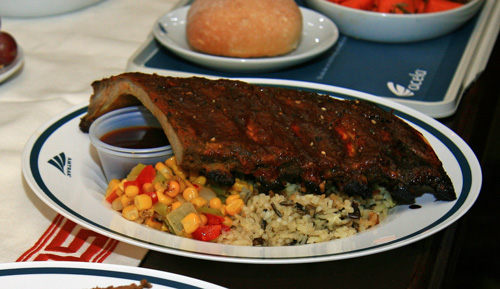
(244, 28)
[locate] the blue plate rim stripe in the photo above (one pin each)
(96, 272)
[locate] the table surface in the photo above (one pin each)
(457, 257)
(65, 53)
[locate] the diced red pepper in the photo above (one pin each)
(214, 219)
(130, 183)
(212, 229)
(225, 228)
(207, 232)
(147, 175)
(113, 196)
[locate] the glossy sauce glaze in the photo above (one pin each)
(140, 137)
(278, 135)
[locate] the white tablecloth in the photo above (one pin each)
(63, 55)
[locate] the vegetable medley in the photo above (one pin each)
(167, 198)
(402, 6)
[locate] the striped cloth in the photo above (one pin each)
(64, 240)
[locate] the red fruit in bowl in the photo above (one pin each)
(8, 49)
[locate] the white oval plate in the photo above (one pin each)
(79, 275)
(318, 34)
(12, 68)
(75, 188)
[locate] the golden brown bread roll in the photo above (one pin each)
(244, 28)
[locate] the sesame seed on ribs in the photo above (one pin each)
(223, 127)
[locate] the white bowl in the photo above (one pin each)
(395, 28)
(39, 8)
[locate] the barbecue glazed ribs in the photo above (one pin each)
(222, 127)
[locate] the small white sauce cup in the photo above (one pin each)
(117, 162)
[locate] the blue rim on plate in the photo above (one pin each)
(466, 168)
(82, 274)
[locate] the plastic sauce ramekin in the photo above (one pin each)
(117, 162)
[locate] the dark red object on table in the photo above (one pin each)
(8, 49)
(464, 255)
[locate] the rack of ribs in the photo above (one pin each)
(224, 128)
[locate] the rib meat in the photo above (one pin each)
(224, 127)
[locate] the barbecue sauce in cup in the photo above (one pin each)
(139, 137)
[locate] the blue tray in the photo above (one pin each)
(429, 76)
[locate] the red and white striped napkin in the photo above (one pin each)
(65, 240)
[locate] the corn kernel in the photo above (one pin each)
(176, 205)
(162, 198)
(121, 185)
(165, 171)
(235, 207)
(232, 198)
(130, 213)
(223, 209)
(119, 191)
(131, 191)
(187, 183)
(190, 193)
(151, 222)
(202, 180)
(178, 171)
(239, 185)
(146, 214)
(232, 191)
(139, 220)
(159, 186)
(117, 205)
(204, 219)
(191, 222)
(215, 203)
(227, 221)
(170, 162)
(199, 202)
(125, 200)
(147, 187)
(181, 182)
(173, 189)
(143, 202)
(113, 185)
